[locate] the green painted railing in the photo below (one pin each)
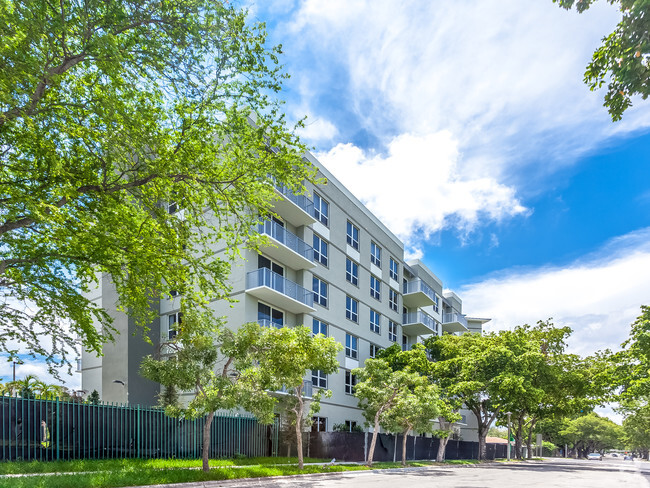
(55, 429)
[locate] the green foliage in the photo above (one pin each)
(344, 428)
(93, 398)
(593, 433)
(109, 110)
(622, 61)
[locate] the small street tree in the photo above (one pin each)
(285, 356)
(447, 417)
(221, 366)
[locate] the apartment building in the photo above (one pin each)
(332, 266)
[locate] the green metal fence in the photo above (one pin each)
(55, 429)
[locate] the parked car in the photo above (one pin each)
(628, 457)
(614, 454)
(595, 456)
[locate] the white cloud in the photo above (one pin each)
(598, 296)
(38, 368)
(416, 188)
(317, 130)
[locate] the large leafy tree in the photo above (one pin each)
(591, 433)
(622, 61)
(114, 114)
(221, 367)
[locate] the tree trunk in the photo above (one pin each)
(442, 447)
(206, 441)
(518, 436)
(301, 462)
(404, 446)
(373, 443)
(529, 441)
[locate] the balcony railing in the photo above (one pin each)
(283, 236)
(420, 317)
(419, 286)
(266, 277)
(301, 200)
(307, 389)
(448, 318)
(269, 323)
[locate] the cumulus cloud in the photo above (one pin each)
(317, 130)
(416, 189)
(598, 296)
(38, 368)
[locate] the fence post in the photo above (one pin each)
(238, 435)
(137, 428)
(58, 431)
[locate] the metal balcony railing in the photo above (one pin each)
(301, 200)
(269, 323)
(266, 277)
(454, 317)
(418, 285)
(420, 317)
(282, 235)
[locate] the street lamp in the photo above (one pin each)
(16, 362)
(508, 414)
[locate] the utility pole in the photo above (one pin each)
(508, 414)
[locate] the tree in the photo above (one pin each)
(636, 431)
(479, 370)
(415, 409)
(188, 362)
(121, 122)
(379, 389)
(93, 398)
(591, 433)
(622, 61)
(285, 356)
(447, 417)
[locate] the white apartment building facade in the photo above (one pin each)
(333, 267)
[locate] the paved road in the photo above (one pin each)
(557, 473)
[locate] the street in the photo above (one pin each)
(560, 473)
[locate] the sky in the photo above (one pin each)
(467, 129)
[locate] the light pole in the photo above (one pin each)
(508, 414)
(16, 362)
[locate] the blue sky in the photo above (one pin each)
(466, 127)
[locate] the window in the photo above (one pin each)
(172, 207)
(375, 287)
(350, 425)
(436, 305)
(392, 331)
(351, 309)
(374, 321)
(321, 209)
(375, 254)
(264, 262)
(374, 349)
(174, 320)
(320, 291)
(320, 250)
(405, 343)
(351, 346)
(319, 424)
(353, 235)
(394, 269)
(268, 316)
(319, 327)
(352, 271)
(350, 382)
(392, 299)
(318, 378)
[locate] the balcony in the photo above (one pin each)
(417, 294)
(297, 209)
(454, 322)
(286, 247)
(269, 323)
(419, 323)
(307, 390)
(275, 289)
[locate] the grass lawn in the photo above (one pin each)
(133, 472)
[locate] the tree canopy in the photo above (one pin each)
(622, 61)
(113, 115)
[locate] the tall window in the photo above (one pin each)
(374, 321)
(350, 382)
(320, 291)
(353, 235)
(174, 320)
(352, 271)
(319, 424)
(392, 331)
(320, 250)
(351, 346)
(375, 254)
(319, 327)
(392, 299)
(268, 316)
(374, 350)
(318, 378)
(321, 209)
(394, 269)
(351, 309)
(264, 262)
(375, 287)
(405, 342)
(436, 305)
